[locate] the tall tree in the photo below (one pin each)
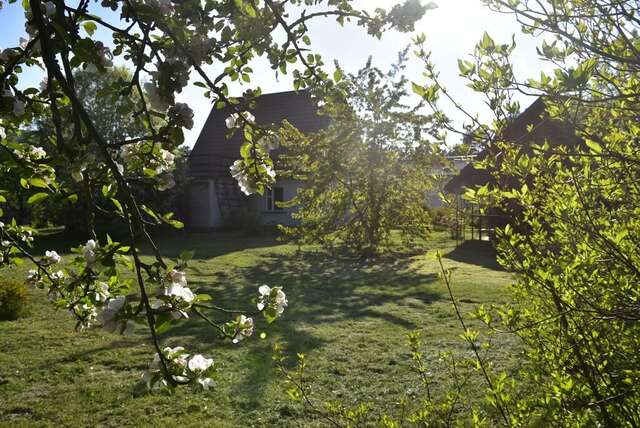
(369, 171)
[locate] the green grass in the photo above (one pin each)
(348, 316)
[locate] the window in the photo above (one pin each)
(273, 197)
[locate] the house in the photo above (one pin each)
(531, 127)
(214, 198)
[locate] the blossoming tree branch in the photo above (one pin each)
(164, 43)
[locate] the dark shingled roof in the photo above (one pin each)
(213, 147)
(533, 126)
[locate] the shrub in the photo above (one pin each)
(13, 299)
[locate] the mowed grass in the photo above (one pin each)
(349, 317)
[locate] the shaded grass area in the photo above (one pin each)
(349, 317)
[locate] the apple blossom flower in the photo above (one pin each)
(247, 184)
(101, 293)
(183, 114)
(198, 363)
(27, 236)
(248, 116)
(52, 257)
(234, 120)
(156, 99)
(231, 121)
(37, 152)
(171, 353)
(268, 142)
(88, 252)
(166, 182)
(109, 315)
(179, 291)
(57, 276)
(206, 383)
(272, 298)
(244, 328)
(177, 277)
(85, 313)
(33, 276)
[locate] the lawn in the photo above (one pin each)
(348, 316)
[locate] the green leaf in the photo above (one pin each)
(90, 27)
(337, 75)
(38, 182)
(37, 197)
(595, 147)
(186, 255)
(417, 89)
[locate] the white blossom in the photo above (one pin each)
(183, 114)
(248, 117)
(181, 292)
(231, 121)
(234, 120)
(101, 291)
(269, 142)
(166, 182)
(33, 276)
(23, 42)
(52, 257)
(244, 328)
(247, 183)
(198, 363)
(89, 253)
(37, 152)
(156, 100)
(27, 236)
(109, 315)
(206, 383)
(273, 298)
(177, 277)
(57, 276)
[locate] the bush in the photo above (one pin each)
(13, 299)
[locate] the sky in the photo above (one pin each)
(452, 30)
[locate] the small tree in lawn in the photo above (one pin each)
(368, 172)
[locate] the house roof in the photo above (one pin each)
(296, 107)
(533, 126)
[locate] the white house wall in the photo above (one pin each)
(203, 205)
(272, 218)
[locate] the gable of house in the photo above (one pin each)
(214, 198)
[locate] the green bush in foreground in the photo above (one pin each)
(13, 299)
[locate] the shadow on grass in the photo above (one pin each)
(323, 291)
(479, 253)
(211, 244)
